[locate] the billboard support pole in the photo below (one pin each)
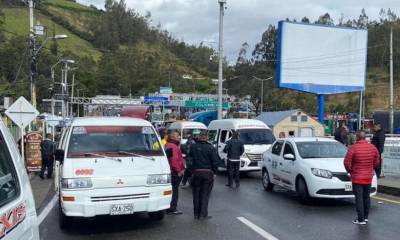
(360, 125)
(321, 104)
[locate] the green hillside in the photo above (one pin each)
(17, 22)
(116, 51)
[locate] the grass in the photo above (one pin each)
(17, 22)
(69, 5)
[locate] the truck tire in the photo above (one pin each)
(157, 216)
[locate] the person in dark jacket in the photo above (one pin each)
(47, 148)
(235, 149)
(378, 140)
(177, 165)
(341, 135)
(188, 171)
(204, 167)
(360, 161)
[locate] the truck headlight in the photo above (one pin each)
(76, 183)
(158, 179)
(321, 173)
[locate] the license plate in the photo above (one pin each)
(348, 187)
(121, 209)
(260, 163)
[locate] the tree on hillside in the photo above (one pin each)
(325, 20)
(1, 26)
(242, 58)
(266, 51)
(305, 20)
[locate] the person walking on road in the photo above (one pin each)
(378, 140)
(204, 167)
(234, 148)
(341, 135)
(47, 149)
(177, 165)
(188, 159)
(360, 161)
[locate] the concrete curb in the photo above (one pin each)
(389, 190)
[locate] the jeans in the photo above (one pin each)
(47, 163)
(378, 170)
(176, 181)
(233, 172)
(202, 184)
(363, 200)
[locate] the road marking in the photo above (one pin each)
(257, 229)
(386, 200)
(47, 209)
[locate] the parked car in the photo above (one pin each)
(109, 166)
(312, 167)
(17, 205)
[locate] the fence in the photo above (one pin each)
(391, 156)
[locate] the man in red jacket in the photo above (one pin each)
(177, 165)
(360, 161)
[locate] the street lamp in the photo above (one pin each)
(63, 80)
(262, 90)
(33, 61)
(220, 55)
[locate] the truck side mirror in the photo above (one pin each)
(59, 154)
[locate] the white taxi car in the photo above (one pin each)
(110, 166)
(17, 206)
(312, 167)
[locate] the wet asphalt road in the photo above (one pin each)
(278, 213)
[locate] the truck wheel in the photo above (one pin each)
(302, 191)
(268, 186)
(157, 216)
(63, 220)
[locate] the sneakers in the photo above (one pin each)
(366, 220)
(359, 223)
(176, 212)
(229, 185)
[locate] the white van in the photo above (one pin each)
(112, 166)
(185, 128)
(17, 206)
(256, 136)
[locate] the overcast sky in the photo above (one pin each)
(195, 21)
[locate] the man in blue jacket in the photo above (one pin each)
(235, 149)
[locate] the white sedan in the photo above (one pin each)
(312, 167)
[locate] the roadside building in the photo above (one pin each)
(293, 123)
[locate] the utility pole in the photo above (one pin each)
(220, 55)
(360, 127)
(72, 95)
(262, 90)
(391, 104)
(32, 57)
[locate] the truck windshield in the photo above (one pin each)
(188, 131)
(112, 141)
(321, 149)
(256, 136)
